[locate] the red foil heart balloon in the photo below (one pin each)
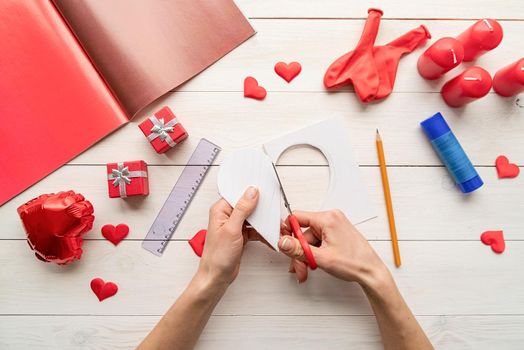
(102, 289)
(495, 239)
(288, 71)
(253, 90)
(115, 234)
(505, 169)
(55, 223)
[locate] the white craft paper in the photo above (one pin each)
(251, 167)
(346, 190)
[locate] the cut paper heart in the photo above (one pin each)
(505, 169)
(198, 241)
(250, 167)
(102, 289)
(115, 234)
(288, 71)
(495, 239)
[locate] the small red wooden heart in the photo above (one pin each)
(115, 234)
(288, 71)
(102, 289)
(505, 169)
(253, 90)
(495, 239)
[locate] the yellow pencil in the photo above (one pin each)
(387, 196)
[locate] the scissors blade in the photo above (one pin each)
(286, 203)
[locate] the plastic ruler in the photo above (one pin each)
(180, 197)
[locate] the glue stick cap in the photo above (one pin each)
(471, 185)
(435, 126)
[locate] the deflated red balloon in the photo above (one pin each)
(373, 69)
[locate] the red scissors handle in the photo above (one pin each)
(297, 231)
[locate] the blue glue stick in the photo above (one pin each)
(451, 153)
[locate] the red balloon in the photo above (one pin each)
(55, 223)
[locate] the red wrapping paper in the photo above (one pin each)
(126, 179)
(55, 223)
(163, 130)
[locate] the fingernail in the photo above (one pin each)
(251, 192)
(286, 244)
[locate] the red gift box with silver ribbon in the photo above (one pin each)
(126, 179)
(163, 130)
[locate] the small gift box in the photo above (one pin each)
(163, 130)
(127, 179)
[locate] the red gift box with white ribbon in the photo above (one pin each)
(163, 130)
(126, 179)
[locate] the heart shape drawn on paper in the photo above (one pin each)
(495, 239)
(102, 289)
(253, 90)
(250, 167)
(505, 169)
(115, 234)
(288, 71)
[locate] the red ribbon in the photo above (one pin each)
(55, 223)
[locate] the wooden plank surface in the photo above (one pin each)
(222, 332)
(427, 205)
(401, 9)
(316, 44)
(436, 278)
(465, 296)
(486, 128)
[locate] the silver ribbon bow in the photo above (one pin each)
(161, 129)
(122, 177)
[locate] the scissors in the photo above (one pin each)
(295, 226)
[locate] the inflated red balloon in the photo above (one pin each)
(372, 69)
(55, 223)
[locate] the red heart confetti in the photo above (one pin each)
(115, 234)
(288, 71)
(253, 90)
(505, 169)
(198, 241)
(495, 239)
(102, 289)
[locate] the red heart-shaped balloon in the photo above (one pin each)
(495, 239)
(115, 234)
(102, 289)
(288, 71)
(253, 90)
(505, 169)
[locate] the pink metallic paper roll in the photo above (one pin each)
(472, 84)
(509, 81)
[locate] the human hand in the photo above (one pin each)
(338, 247)
(226, 236)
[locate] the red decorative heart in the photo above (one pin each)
(288, 71)
(253, 90)
(495, 239)
(505, 169)
(103, 290)
(115, 234)
(198, 241)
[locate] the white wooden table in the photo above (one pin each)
(465, 296)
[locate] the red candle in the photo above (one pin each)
(509, 81)
(472, 84)
(441, 57)
(483, 36)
